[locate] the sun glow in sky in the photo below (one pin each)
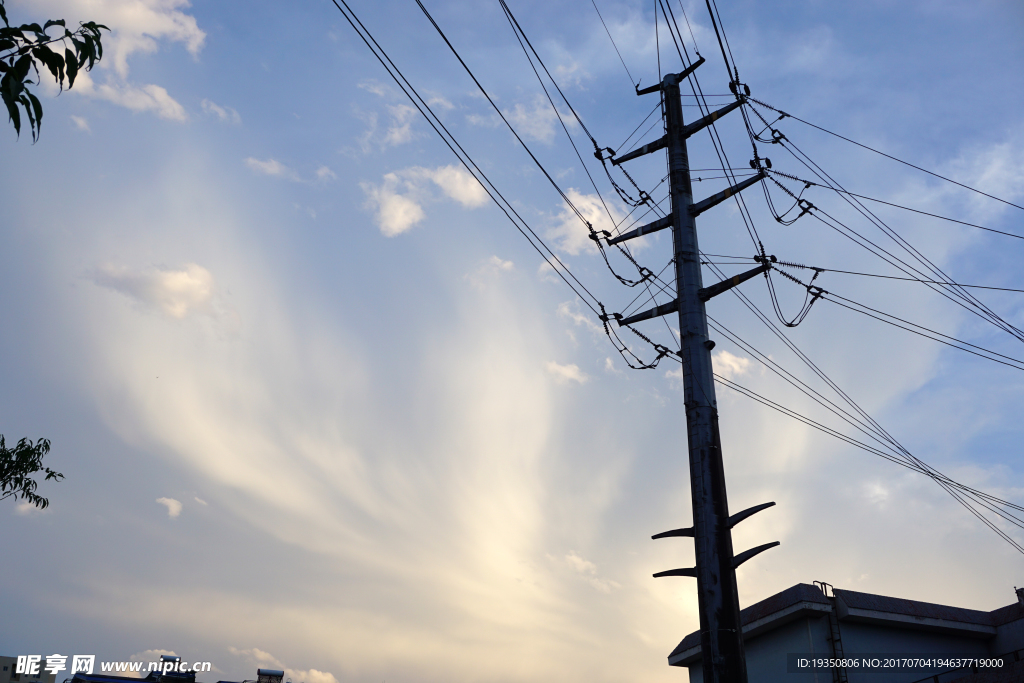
(320, 407)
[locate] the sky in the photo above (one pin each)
(320, 407)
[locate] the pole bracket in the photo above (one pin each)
(710, 118)
(689, 571)
(747, 554)
(657, 225)
(715, 199)
(660, 143)
(725, 285)
(688, 532)
(663, 309)
(678, 77)
(740, 516)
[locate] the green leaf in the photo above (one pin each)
(53, 22)
(3, 14)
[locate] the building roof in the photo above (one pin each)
(803, 599)
(913, 608)
(778, 603)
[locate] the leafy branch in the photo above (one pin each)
(23, 48)
(18, 464)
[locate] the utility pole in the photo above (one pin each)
(721, 637)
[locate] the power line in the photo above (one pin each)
(898, 206)
(483, 91)
(888, 156)
(520, 37)
(886, 277)
(950, 289)
(450, 141)
(632, 81)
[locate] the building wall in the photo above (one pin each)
(7, 675)
(1009, 637)
(767, 652)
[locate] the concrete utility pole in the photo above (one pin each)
(721, 637)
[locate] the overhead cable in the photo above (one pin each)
(888, 156)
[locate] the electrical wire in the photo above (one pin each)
(809, 184)
(888, 156)
(632, 81)
(949, 289)
(452, 143)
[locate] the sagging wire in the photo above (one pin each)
(521, 36)
(949, 288)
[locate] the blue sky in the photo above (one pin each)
(321, 408)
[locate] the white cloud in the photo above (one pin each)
(309, 676)
(173, 506)
(25, 508)
(566, 373)
(324, 173)
(587, 570)
(537, 122)
(489, 269)
(571, 234)
(394, 213)
(571, 74)
(997, 170)
(729, 366)
(175, 292)
(259, 656)
(376, 87)
(81, 124)
(400, 130)
(546, 272)
(271, 167)
(609, 366)
(137, 27)
(573, 311)
(725, 364)
(438, 101)
(200, 500)
(397, 202)
(264, 659)
(151, 655)
(225, 114)
(142, 98)
(499, 264)
(457, 184)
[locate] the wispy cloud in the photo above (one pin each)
(272, 167)
(393, 212)
(225, 114)
(587, 570)
(173, 506)
(175, 292)
(398, 201)
(571, 234)
(151, 97)
(137, 27)
(566, 373)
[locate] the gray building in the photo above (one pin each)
(8, 667)
(783, 636)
